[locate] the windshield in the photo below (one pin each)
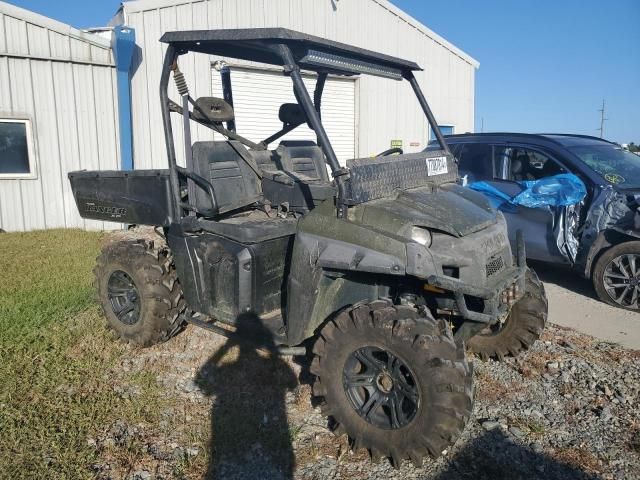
(616, 165)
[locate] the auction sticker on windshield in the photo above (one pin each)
(436, 166)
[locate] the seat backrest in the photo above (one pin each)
(303, 158)
(267, 160)
(235, 183)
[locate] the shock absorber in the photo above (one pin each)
(180, 81)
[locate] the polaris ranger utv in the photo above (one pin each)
(391, 267)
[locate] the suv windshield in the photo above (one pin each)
(616, 165)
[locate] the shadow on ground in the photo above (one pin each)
(250, 435)
(564, 277)
(494, 456)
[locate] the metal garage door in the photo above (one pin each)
(258, 94)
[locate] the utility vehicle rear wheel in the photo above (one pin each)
(393, 379)
(139, 292)
(521, 328)
(616, 276)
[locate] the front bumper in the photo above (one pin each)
(509, 284)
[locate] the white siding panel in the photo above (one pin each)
(74, 121)
(38, 40)
(10, 195)
(22, 103)
(72, 109)
(101, 55)
(46, 140)
(86, 127)
(3, 41)
(16, 35)
(59, 45)
(67, 122)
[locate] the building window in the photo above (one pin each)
(16, 151)
(445, 129)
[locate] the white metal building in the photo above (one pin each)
(60, 99)
(57, 114)
(362, 116)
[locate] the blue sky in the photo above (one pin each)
(545, 65)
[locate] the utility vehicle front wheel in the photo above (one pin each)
(393, 379)
(139, 292)
(616, 276)
(520, 329)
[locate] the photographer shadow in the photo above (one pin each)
(250, 435)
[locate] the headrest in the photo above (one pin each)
(516, 166)
(297, 143)
(291, 113)
(212, 109)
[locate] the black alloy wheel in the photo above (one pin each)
(139, 292)
(124, 297)
(381, 388)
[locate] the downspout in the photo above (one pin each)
(123, 42)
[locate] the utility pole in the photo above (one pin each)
(602, 120)
(481, 124)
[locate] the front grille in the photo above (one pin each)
(494, 266)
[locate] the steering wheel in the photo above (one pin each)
(391, 151)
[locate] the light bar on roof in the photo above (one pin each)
(349, 65)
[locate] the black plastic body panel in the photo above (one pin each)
(223, 278)
(137, 197)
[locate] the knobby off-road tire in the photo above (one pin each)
(616, 276)
(138, 289)
(521, 329)
(427, 371)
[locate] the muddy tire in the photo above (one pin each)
(393, 380)
(520, 330)
(616, 276)
(139, 292)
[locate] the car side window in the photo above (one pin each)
(528, 164)
(475, 161)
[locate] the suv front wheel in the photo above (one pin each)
(616, 276)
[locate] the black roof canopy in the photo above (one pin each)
(309, 52)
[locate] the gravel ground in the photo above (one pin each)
(568, 408)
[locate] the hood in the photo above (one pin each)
(449, 208)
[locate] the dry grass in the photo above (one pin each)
(534, 364)
(580, 458)
(491, 389)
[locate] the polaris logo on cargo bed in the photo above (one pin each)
(113, 212)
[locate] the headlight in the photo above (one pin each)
(420, 235)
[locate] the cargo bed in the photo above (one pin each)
(136, 197)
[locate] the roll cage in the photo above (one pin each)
(293, 51)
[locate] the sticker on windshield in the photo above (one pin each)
(614, 178)
(437, 166)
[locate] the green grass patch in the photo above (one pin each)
(59, 364)
(46, 276)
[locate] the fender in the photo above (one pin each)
(327, 278)
(604, 240)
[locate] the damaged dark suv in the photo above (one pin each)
(599, 236)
